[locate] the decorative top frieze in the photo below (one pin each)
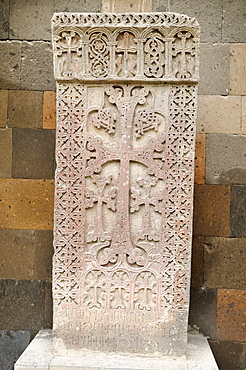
(150, 47)
(123, 19)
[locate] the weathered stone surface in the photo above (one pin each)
(3, 107)
(26, 254)
(126, 6)
(238, 69)
(36, 68)
(234, 27)
(124, 180)
(25, 109)
(21, 304)
(203, 310)
(40, 354)
(226, 159)
(48, 306)
(231, 315)
(229, 355)
(33, 153)
(214, 69)
(219, 114)
(197, 261)
(208, 14)
(200, 161)
(224, 263)
(77, 5)
(244, 115)
(212, 210)
(4, 19)
(49, 110)
(238, 211)
(12, 344)
(10, 64)
(26, 204)
(6, 152)
(30, 19)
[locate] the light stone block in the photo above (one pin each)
(219, 114)
(208, 14)
(6, 152)
(10, 64)
(117, 6)
(238, 69)
(234, 25)
(36, 66)
(3, 108)
(40, 356)
(244, 115)
(214, 69)
(30, 20)
(26, 204)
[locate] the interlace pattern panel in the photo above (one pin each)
(124, 186)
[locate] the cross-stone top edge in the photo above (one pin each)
(124, 19)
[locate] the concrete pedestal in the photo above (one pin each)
(39, 356)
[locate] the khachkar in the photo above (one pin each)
(126, 106)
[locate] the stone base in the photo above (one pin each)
(39, 356)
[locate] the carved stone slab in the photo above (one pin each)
(126, 108)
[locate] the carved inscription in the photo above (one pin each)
(126, 107)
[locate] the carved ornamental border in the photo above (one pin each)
(150, 47)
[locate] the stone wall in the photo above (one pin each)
(27, 142)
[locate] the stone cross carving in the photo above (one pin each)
(126, 107)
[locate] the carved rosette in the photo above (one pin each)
(124, 179)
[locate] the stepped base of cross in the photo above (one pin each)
(39, 356)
